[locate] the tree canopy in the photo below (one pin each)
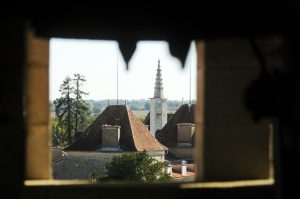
(137, 167)
(72, 112)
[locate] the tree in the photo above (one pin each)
(58, 134)
(137, 167)
(64, 109)
(72, 112)
(81, 108)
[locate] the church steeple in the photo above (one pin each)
(158, 105)
(158, 89)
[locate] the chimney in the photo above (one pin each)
(185, 134)
(110, 138)
(169, 169)
(183, 168)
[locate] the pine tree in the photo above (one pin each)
(81, 108)
(64, 110)
(72, 112)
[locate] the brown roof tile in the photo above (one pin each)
(134, 136)
(144, 140)
(179, 176)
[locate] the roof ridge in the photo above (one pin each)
(142, 124)
(130, 125)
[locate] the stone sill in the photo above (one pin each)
(189, 185)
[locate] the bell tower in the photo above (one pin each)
(158, 105)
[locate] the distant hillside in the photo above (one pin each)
(139, 106)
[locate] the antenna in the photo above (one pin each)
(117, 78)
(191, 79)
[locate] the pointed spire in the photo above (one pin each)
(158, 89)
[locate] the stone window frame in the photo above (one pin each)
(38, 170)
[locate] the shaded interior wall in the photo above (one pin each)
(12, 50)
(146, 192)
(12, 128)
(235, 147)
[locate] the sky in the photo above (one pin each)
(98, 61)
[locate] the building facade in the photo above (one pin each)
(115, 131)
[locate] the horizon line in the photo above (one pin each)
(132, 99)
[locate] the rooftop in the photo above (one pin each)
(168, 134)
(134, 136)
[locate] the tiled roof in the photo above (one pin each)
(143, 139)
(168, 134)
(190, 175)
(134, 136)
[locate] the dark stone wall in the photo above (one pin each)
(12, 54)
(68, 21)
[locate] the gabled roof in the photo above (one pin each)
(134, 136)
(168, 134)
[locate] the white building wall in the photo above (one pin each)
(164, 114)
(158, 118)
(152, 116)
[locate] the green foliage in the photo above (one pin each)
(95, 176)
(72, 112)
(58, 134)
(81, 108)
(137, 167)
(64, 109)
(142, 118)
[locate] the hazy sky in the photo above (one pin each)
(97, 61)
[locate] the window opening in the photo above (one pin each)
(114, 116)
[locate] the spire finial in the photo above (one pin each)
(158, 63)
(158, 89)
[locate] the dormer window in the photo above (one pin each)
(110, 138)
(185, 134)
